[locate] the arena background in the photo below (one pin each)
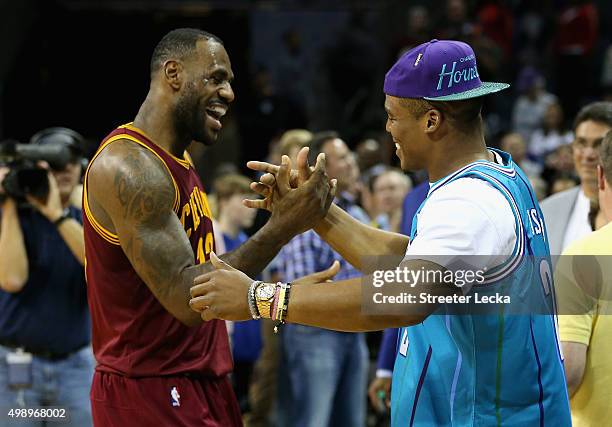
(84, 64)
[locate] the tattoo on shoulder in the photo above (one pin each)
(143, 191)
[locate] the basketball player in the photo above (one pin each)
(460, 370)
(148, 233)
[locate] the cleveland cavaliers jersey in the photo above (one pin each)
(133, 334)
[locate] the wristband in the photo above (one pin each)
(275, 302)
(65, 215)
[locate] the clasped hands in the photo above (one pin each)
(298, 200)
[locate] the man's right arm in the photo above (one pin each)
(365, 241)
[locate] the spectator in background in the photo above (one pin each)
(43, 296)
(606, 74)
(559, 163)
(416, 31)
(292, 69)
(495, 21)
(264, 385)
(562, 183)
(354, 188)
(574, 45)
(539, 187)
(530, 106)
(532, 30)
(455, 23)
(233, 218)
(264, 113)
(514, 144)
(369, 153)
(292, 141)
(367, 198)
(389, 190)
(327, 370)
(346, 84)
(551, 135)
(583, 280)
(566, 213)
(379, 390)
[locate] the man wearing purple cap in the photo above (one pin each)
(461, 361)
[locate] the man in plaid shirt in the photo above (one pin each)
(326, 370)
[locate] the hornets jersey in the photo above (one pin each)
(503, 367)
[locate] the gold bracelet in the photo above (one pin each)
(279, 307)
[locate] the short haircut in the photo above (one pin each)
(605, 156)
(317, 142)
(229, 185)
(600, 112)
(462, 115)
(178, 44)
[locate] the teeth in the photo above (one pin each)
(218, 111)
(397, 146)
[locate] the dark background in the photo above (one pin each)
(84, 64)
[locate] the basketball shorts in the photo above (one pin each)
(181, 401)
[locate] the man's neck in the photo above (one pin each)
(588, 190)
(156, 120)
(452, 156)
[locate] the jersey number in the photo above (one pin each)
(205, 249)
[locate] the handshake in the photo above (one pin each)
(298, 200)
(299, 196)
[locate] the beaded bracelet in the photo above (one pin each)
(251, 300)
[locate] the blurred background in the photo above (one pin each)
(314, 64)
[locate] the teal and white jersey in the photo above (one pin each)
(501, 368)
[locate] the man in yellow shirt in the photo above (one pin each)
(584, 285)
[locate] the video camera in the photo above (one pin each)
(56, 146)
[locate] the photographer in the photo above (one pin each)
(45, 353)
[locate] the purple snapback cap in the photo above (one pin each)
(439, 70)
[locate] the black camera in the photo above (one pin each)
(56, 146)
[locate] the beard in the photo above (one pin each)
(190, 118)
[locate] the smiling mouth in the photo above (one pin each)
(215, 112)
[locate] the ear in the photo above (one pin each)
(601, 179)
(173, 73)
(433, 120)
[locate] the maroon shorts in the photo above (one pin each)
(163, 401)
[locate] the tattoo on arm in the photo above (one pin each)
(140, 201)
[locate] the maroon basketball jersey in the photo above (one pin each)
(133, 334)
